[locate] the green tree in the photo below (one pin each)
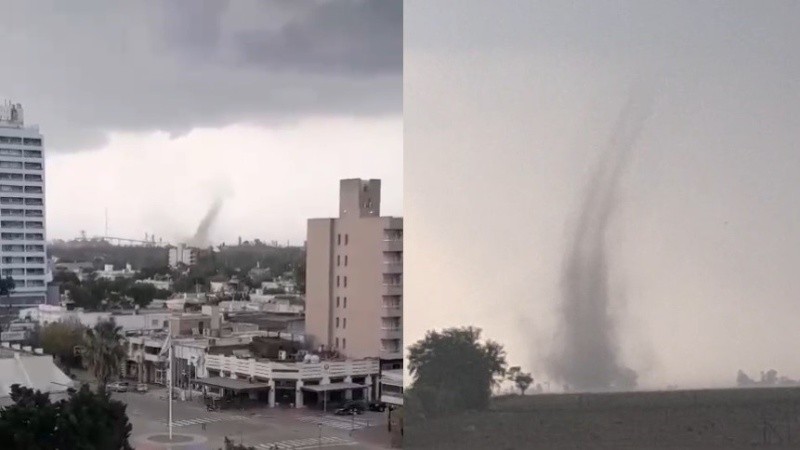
(142, 293)
(300, 276)
(66, 277)
(60, 339)
(84, 420)
(92, 421)
(453, 370)
(104, 352)
(522, 379)
(7, 286)
(151, 272)
(84, 297)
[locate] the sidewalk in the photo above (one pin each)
(378, 436)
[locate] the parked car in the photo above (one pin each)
(377, 406)
(349, 411)
(118, 386)
(361, 404)
(141, 387)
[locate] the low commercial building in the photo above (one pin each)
(30, 368)
(314, 381)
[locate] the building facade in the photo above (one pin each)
(354, 278)
(22, 209)
(182, 254)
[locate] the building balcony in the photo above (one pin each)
(392, 289)
(392, 398)
(393, 245)
(388, 354)
(393, 267)
(392, 311)
(394, 333)
(154, 358)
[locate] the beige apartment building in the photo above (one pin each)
(354, 277)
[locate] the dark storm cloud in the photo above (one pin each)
(345, 37)
(84, 69)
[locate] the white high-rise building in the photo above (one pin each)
(22, 208)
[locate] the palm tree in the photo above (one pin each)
(104, 351)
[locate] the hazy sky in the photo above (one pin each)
(153, 108)
(507, 107)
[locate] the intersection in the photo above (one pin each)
(263, 428)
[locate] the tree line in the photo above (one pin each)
(95, 293)
(455, 370)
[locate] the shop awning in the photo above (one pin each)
(333, 387)
(230, 383)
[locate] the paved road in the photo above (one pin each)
(284, 429)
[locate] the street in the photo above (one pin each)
(287, 429)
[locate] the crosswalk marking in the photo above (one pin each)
(307, 443)
(343, 424)
(202, 420)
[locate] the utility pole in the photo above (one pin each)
(106, 229)
(170, 387)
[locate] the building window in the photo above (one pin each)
(338, 239)
(345, 302)
(337, 280)
(346, 239)
(337, 322)
(344, 343)
(337, 342)
(337, 302)
(338, 259)
(345, 281)
(344, 323)
(345, 260)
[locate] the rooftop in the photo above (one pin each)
(11, 115)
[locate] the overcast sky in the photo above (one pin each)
(153, 108)
(507, 107)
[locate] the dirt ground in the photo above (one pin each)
(702, 419)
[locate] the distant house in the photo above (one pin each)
(109, 273)
(164, 284)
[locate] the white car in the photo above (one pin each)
(118, 386)
(141, 387)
